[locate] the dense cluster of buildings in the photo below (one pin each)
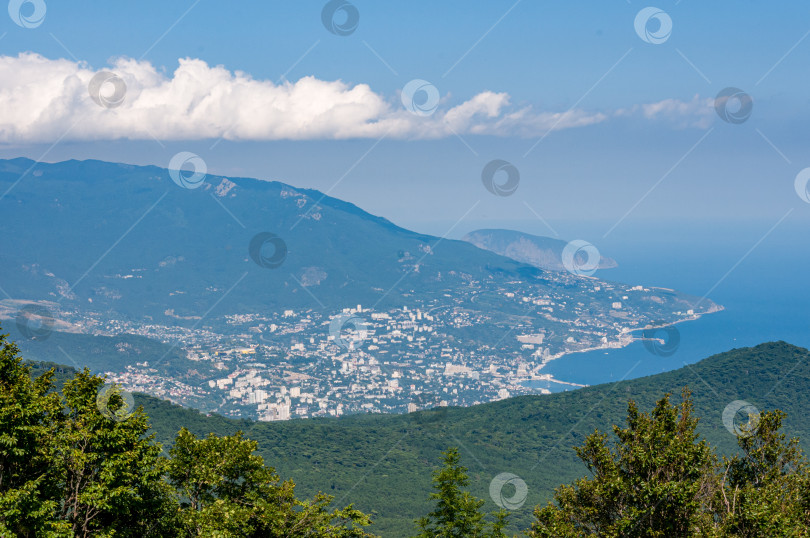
(401, 359)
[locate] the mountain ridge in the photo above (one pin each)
(312, 193)
(540, 251)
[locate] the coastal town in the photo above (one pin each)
(300, 364)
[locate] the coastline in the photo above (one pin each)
(625, 339)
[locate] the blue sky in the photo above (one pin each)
(541, 52)
(621, 166)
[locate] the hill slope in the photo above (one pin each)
(383, 462)
(539, 251)
(189, 245)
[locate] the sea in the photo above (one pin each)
(758, 270)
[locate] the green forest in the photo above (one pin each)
(623, 459)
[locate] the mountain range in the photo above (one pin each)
(272, 290)
(126, 242)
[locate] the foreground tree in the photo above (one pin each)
(111, 470)
(227, 489)
(766, 488)
(661, 480)
(658, 481)
(457, 513)
(68, 470)
(29, 416)
(84, 464)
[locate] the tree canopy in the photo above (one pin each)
(81, 463)
(659, 479)
(457, 513)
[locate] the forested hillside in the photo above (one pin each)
(383, 463)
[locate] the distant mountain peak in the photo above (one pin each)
(539, 251)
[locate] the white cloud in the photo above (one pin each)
(527, 123)
(44, 100)
(699, 112)
(486, 105)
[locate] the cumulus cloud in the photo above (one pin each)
(44, 100)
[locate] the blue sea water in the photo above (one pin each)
(761, 281)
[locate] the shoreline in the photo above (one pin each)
(625, 339)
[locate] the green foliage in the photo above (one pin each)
(766, 488)
(662, 480)
(29, 418)
(111, 472)
(381, 462)
(658, 481)
(81, 464)
(227, 490)
(457, 513)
